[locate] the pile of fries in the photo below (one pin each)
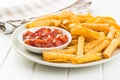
(93, 37)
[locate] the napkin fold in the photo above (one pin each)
(11, 22)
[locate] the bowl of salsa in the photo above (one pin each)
(44, 38)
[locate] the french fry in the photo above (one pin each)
(74, 42)
(74, 37)
(30, 25)
(114, 25)
(100, 47)
(99, 20)
(40, 23)
(87, 33)
(104, 19)
(57, 57)
(111, 33)
(64, 27)
(66, 22)
(72, 47)
(65, 14)
(91, 20)
(102, 35)
(74, 25)
(47, 17)
(86, 58)
(117, 33)
(111, 48)
(96, 27)
(75, 19)
(80, 46)
(64, 51)
(90, 45)
(109, 19)
(56, 22)
(83, 18)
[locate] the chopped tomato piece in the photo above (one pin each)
(27, 42)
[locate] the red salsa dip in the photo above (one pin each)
(45, 38)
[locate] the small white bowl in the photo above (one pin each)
(40, 50)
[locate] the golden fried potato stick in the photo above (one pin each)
(109, 19)
(80, 46)
(102, 35)
(111, 33)
(96, 27)
(117, 34)
(47, 17)
(65, 51)
(55, 22)
(104, 19)
(87, 33)
(86, 58)
(65, 14)
(114, 25)
(65, 21)
(111, 48)
(75, 19)
(72, 47)
(99, 20)
(90, 45)
(74, 37)
(73, 42)
(100, 47)
(83, 18)
(57, 57)
(91, 20)
(39, 23)
(64, 27)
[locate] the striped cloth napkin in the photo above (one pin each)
(13, 17)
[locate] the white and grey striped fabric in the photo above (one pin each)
(16, 15)
(36, 8)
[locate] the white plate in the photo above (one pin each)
(38, 58)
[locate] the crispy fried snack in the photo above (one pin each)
(111, 47)
(90, 45)
(111, 33)
(96, 27)
(86, 58)
(87, 33)
(57, 57)
(80, 46)
(100, 47)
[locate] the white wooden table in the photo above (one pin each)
(15, 67)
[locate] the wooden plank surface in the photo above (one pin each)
(85, 73)
(16, 67)
(111, 70)
(49, 73)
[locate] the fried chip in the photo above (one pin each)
(87, 33)
(100, 47)
(96, 27)
(57, 57)
(86, 58)
(80, 46)
(111, 48)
